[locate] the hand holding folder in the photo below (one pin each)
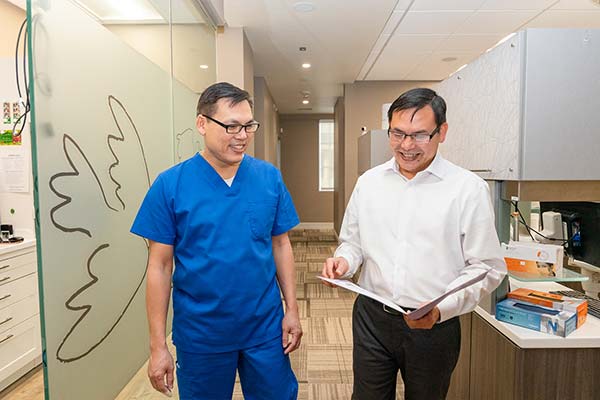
(416, 314)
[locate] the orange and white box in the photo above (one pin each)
(533, 258)
(556, 301)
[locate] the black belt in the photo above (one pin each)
(388, 309)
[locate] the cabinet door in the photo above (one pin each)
(17, 290)
(19, 346)
(494, 363)
(561, 119)
(459, 385)
(15, 266)
(484, 112)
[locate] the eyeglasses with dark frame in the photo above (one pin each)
(418, 137)
(234, 129)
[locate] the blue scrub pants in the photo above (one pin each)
(265, 374)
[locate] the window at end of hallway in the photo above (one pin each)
(325, 155)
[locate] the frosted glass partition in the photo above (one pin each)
(194, 69)
(103, 129)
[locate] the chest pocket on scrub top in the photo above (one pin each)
(261, 216)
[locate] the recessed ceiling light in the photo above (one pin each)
(204, 66)
(448, 59)
(306, 65)
(304, 6)
(305, 101)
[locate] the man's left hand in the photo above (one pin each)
(292, 331)
(426, 321)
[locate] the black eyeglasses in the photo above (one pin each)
(418, 137)
(234, 129)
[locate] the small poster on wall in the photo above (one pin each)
(14, 170)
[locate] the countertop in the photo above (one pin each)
(10, 247)
(587, 336)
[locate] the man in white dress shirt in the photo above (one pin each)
(419, 225)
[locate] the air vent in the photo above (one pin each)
(305, 109)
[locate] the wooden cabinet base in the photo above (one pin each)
(500, 370)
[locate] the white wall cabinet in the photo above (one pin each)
(20, 342)
(529, 108)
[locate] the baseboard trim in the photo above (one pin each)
(315, 225)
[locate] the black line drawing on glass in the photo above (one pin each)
(188, 144)
(114, 254)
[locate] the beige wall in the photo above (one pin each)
(235, 61)
(193, 45)
(339, 203)
(362, 107)
(265, 112)
(300, 166)
(248, 66)
(11, 18)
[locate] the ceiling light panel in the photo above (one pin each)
(117, 10)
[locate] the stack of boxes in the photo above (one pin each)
(528, 259)
(541, 311)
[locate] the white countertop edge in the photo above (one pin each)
(587, 336)
(6, 248)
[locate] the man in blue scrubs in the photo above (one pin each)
(224, 217)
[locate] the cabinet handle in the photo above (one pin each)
(4, 266)
(480, 170)
(6, 338)
(6, 296)
(4, 279)
(6, 320)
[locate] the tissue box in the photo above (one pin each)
(556, 301)
(536, 317)
(533, 258)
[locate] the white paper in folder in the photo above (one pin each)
(416, 314)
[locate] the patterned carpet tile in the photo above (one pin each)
(339, 308)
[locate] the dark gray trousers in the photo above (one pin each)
(384, 344)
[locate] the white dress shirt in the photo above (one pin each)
(418, 238)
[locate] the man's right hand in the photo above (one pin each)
(334, 268)
(160, 370)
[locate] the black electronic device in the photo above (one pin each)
(582, 220)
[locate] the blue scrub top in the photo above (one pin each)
(225, 292)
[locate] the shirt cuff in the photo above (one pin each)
(448, 308)
(352, 268)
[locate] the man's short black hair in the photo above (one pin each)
(417, 99)
(207, 103)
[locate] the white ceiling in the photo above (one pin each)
(353, 40)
